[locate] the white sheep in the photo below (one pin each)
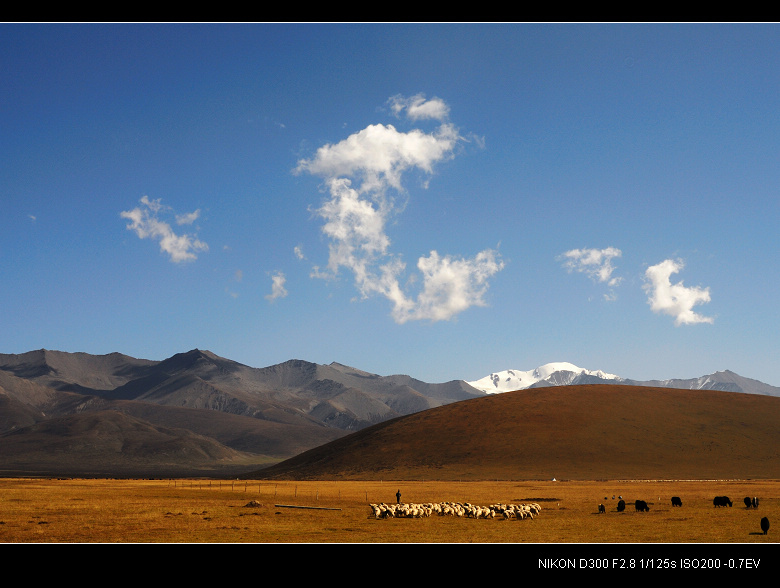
(466, 509)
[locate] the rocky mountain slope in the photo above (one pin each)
(245, 415)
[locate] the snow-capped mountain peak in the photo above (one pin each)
(556, 373)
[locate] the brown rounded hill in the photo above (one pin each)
(586, 432)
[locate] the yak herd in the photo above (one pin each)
(641, 506)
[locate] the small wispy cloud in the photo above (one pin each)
(361, 174)
(418, 107)
(144, 221)
(278, 290)
(238, 276)
(187, 219)
(674, 299)
(596, 264)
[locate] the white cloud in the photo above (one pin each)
(674, 299)
(154, 205)
(377, 156)
(277, 286)
(188, 218)
(450, 286)
(596, 263)
(147, 225)
(417, 107)
(360, 174)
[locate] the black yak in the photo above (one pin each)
(641, 506)
(765, 525)
(602, 509)
(721, 501)
(748, 502)
(676, 501)
(621, 506)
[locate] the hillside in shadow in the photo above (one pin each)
(567, 432)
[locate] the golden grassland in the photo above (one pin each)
(38, 510)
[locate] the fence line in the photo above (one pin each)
(331, 491)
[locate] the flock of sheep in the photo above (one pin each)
(455, 509)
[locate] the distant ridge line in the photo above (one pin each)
(565, 374)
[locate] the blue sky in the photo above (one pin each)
(438, 200)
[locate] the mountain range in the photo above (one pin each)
(567, 374)
(196, 413)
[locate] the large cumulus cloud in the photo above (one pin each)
(674, 300)
(363, 174)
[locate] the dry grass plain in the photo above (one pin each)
(36, 510)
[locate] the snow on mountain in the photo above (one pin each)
(556, 374)
(566, 374)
